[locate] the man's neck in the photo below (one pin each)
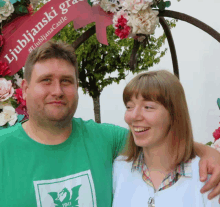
(49, 135)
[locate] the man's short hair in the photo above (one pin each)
(49, 50)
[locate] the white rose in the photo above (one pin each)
(134, 6)
(6, 10)
(8, 115)
(109, 6)
(144, 22)
(2, 119)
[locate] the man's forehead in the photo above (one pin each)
(54, 66)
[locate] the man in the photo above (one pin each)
(56, 160)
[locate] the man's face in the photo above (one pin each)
(52, 94)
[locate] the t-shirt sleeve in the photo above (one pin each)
(117, 138)
(120, 137)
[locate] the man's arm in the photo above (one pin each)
(209, 164)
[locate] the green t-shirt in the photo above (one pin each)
(77, 172)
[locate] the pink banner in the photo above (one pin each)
(25, 34)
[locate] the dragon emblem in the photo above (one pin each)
(64, 197)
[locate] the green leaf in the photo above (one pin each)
(20, 117)
(21, 9)
(168, 3)
(89, 2)
(13, 103)
(218, 102)
(8, 77)
(209, 143)
(161, 5)
(2, 3)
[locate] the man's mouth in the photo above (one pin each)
(141, 129)
(57, 102)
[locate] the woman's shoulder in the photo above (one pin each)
(121, 163)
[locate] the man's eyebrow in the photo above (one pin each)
(45, 76)
(68, 76)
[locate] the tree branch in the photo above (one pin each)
(86, 35)
(133, 58)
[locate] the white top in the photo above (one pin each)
(130, 190)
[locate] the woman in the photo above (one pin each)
(159, 166)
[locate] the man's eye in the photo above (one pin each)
(66, 81)
(148, 107)
(46, 80)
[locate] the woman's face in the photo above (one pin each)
(149, 122)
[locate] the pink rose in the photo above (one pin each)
(6, 89)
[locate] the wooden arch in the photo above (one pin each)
(162, 14)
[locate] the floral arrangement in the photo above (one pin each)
(133, 18)
(12, 106)
(216, 134)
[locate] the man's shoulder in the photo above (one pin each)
(92, 125)
(7, 134)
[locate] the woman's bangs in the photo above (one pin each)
(146, 86)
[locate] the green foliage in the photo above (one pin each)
(2, 3)
(209, 143)
(163, 4)
(97, 62)
(13, 102)
(89, 2)
(21, 9)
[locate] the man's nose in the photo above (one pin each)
(57, 89)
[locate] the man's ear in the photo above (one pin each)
(24, 87)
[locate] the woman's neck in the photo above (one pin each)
(159, 158)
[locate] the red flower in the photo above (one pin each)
(30, 9)
(4, 69)
(123, 30)
(216, 134)
(1, 41)
(18, 96)
(21, 109)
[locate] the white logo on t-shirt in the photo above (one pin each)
(71, 191)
